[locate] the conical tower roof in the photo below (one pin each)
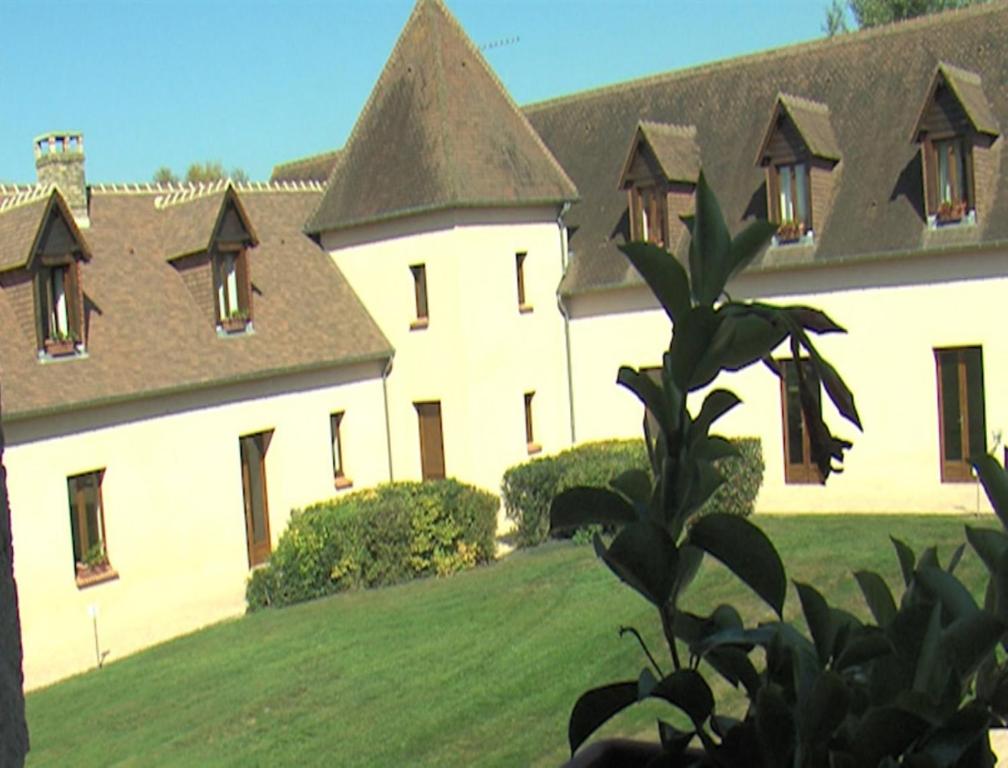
(438, 131)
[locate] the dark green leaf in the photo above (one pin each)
(715, 405)
(687, 690)
(971, 639)
(595, 707)
(989, 544)
(819, 619)
(664, 275)
(999, 583)
(635, 484)
(744, 339)
(995, 482)
(746, 551)
(748, 243)
(825, 708)
(906, 559)
(956, 557)
(713, 448)
(648, 392)
(734, 665)
(686, 569)
(673, 740)
(925, 677)
(929, 557)
(814, 320)
(877, 595)
(706, 480)
(774, 726)
(837, 390)
(691, 341)
(885, 731)
(710, 246)
(945, 745)
(948, 590)
(584, 505)
(863, 647)
(645, 557)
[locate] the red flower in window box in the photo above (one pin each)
(235, 322)
(790, 231)
(951, 211)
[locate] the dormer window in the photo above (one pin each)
(798, 151)
(955, 130)
(59, 309)
(794, 211)
(231, 288)
(659, 176)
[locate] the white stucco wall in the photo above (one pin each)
(479, 354)
(173, 505)
(896, 314)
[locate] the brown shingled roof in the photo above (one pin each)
(674, 148)
(812, 119)
(189, 219)
(873, 83)
(22, 218)
(438, 131)
(313, 168)
(306, 314)
(968, 89)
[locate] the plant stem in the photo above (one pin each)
(643, 645)
(666, 621)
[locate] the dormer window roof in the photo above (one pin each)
(663, 163)
(954, 123)
(42, 241)
(211, 229)
(798, 143)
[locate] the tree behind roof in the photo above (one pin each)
(872, 13)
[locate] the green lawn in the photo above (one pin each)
(477, 669)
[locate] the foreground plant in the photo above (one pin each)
(852, 694)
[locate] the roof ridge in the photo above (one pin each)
(904, 26)
(685, 130)
(801, 101)
(30, 194)
(948, 68)
(175, 193)
(306, 159)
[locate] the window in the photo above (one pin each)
(523, 305)
(232, 288)
(650, 214)
(798, 464)
(58, 308)
(951, 190)
(342, 481)
(87, 529)
(252, 449)
(962, 426)
(420, 293)
(793, 205)
(531, 445)
(432, 463)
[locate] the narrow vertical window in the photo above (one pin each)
(252, 449)
(793, 203)
(231, 291)
(798, 464)
(523, 305)
(432, 461)
(87, 528)
(420, 294)
(962, 428)
(951, 190)
(58, 313)
(336, 441)
(531, 445)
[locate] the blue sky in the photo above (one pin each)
(257, 82)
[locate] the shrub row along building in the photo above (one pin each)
(182, 366)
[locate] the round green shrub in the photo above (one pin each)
(376, 537)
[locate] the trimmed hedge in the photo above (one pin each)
(528, 488)
(376, 537)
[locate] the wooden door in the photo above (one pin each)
(253, 465)
(432, 464)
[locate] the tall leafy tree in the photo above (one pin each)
(211, 170)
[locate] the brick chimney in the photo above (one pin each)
(59, 160)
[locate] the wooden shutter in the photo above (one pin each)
(244, 279)
(929, 159)
(74, 300)
(773, 194)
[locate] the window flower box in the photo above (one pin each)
(951, 211)
(790, 231)
(95, 573)
(60, 347)
(234, 324)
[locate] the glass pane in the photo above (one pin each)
(977, 423)
(257, 500)
(944, 181)
(795, 421)
(786, 204)
(89, 488)
(60, 325)
(232, 283)
(801, 178)
(949, 372)
(960, 170)
(78, 548)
